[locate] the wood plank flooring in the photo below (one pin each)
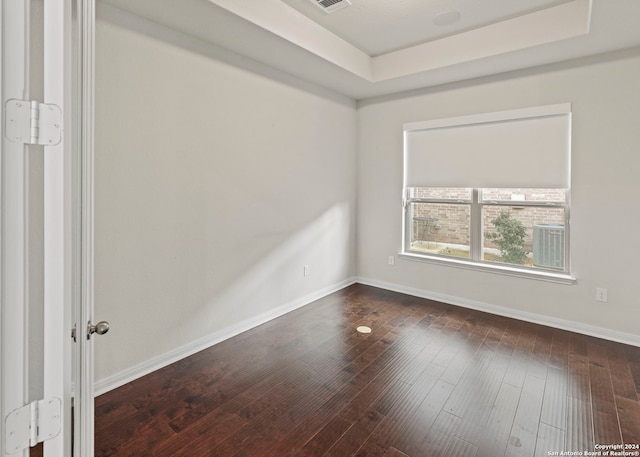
(430, 380)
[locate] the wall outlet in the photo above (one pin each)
(305, 270)
(392, 260)
(601, 294)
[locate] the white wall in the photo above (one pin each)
(216, 181)
(605, 97)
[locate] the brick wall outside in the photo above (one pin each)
(447, 223)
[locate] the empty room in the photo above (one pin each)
(308, 227)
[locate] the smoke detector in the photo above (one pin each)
(330, 6)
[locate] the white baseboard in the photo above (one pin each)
(585, 329)
(111, 382)
(123, 377)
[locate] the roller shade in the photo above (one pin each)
(520, 148)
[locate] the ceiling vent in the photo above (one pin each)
(330, 6)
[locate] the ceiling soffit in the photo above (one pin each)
(381, 26)
(549, 25)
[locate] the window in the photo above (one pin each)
(490, 190)
(517, 227)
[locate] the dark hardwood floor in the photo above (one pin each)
(430, 380)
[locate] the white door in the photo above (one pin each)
(51, 29)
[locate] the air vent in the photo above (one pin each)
(329, 6)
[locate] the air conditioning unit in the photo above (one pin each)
(548, 246)
(329, 6)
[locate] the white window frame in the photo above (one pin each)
(477, 203)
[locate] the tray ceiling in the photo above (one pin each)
(378, 47)
(380, 26)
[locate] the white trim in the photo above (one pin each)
(119, 379)
(135, 372)
(539, 275)
(84, 379)
(58, 201)
(576, 327)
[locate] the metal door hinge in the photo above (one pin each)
(32, 424)
(31, 122)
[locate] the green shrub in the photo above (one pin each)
(509, 237)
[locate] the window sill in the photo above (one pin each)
(561, 278)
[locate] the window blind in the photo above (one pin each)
(520, 148)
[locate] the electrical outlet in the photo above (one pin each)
(305, 270)
(392, 260)
(601, 294)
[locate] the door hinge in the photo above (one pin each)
(31, 122)
(32, 424)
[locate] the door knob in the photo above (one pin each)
(100, 328)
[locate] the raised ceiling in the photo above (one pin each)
(378, 47)
(380, 26)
